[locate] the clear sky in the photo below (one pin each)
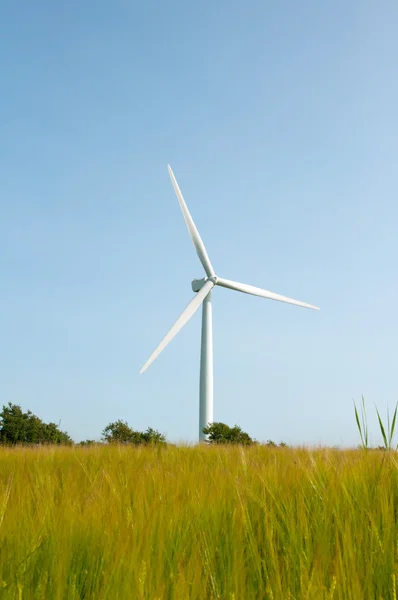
(279, 120)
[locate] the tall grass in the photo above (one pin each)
(387, 431)
(198, 523)
(362, 424)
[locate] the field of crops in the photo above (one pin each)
(198, 523)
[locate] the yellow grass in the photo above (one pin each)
(198, 523)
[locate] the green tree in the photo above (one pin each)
(18, 427)
(152, 436)
(120, 432)
(220, 433)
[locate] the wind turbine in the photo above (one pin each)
(203, 288)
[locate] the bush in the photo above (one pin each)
(120, 432)
(220, 433)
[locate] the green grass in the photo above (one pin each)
(198, 523)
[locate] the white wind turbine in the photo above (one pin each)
(203, 288)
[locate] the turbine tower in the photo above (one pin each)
(203, 288)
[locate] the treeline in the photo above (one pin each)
(24, 428)
(18, 427)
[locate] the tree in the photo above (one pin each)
(152, 436)
(120, 432)
(220, 433)
(18, 427)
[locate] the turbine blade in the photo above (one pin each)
(181, 321)
(193, 232)
(255, 291)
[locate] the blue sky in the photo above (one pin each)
(279, 121)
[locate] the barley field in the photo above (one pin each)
(110, 522)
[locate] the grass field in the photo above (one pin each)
(198, 522)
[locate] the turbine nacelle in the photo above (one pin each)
(197, 284)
